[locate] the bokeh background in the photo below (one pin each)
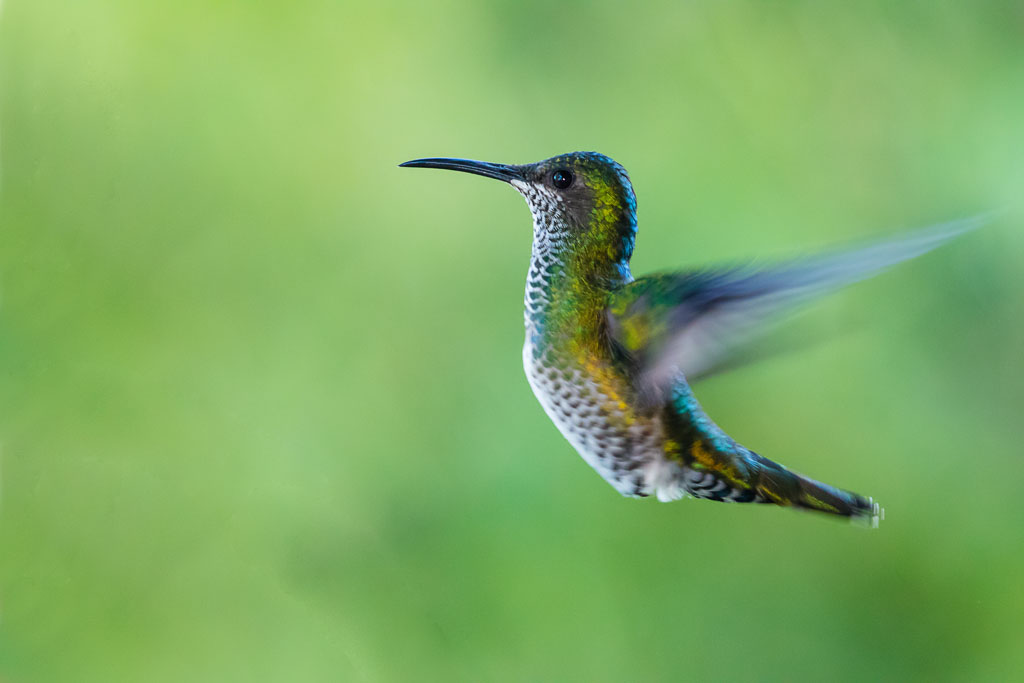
(262, 411)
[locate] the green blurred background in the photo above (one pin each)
(262, 410)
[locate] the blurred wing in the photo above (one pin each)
(692, 321)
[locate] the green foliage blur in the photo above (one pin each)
(262, 410)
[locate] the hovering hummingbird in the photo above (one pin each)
(608, 356)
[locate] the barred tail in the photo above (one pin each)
(776, 484)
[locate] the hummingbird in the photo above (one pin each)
(610, 358)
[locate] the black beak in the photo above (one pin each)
(504, 172)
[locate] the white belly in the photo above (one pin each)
(632, 460)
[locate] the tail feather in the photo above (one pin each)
(776, 484)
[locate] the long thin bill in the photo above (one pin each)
(504, 172)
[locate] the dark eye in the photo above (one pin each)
(561, 179)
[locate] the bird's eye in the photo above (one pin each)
(561, 179)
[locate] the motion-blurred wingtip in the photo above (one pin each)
(967, 224)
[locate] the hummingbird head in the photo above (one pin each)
(582, 203)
